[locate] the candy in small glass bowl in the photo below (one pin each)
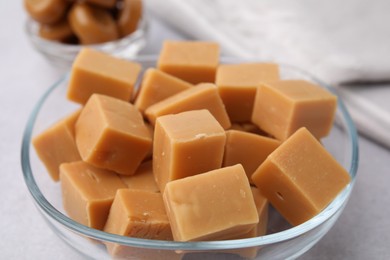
(281, 242)
(62, 55)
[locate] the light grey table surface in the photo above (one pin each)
(362, 232)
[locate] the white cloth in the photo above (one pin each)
(336, 41)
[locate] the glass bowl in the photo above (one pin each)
(281, 242)
(62, 55)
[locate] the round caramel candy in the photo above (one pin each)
(60, 31)
(46, 11)
(129, 16)
(103, 3)
(92, 24)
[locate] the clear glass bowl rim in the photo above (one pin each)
(278, 237)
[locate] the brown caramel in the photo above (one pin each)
(111, 134)
(129, 16)
(60, 31)
(195, 62)
(211, 206)
(46, 11)
(237, 84)
(186, 144)
(248, 149)
(97, 72)
(103, 3)
(157, 86)
(57, 145)
(143, 178)
(202, 96)
(92, 24)
(300, 178)
(88, 192)
(282, 107)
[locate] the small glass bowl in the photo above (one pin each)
(281, 242)
(61, 55)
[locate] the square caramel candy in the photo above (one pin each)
(143, 178)
(88, 192)
(97, 72)
(261, 203)
(186, 144)
(282, 107)
(202, 96)
(57, 145)
(137, 213)
(237, 85)
(250, 150)
(300, 178)
(111, 134)
(150, 128)
(192, 61)
(259, 230)
(156, 86)
(214, 205)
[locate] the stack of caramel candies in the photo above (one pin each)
(85, 21)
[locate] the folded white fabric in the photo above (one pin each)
(370, 110)
(338, 41)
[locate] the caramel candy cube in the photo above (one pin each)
(57, 145)
(300, 178)
(186, 144)
(143, 178)
(203, 96)
(237, 84)
(192, 61)
(88, 192)
(150, 128)
(282, 107)
(248, 149)
(259, 230)
(111, 134)
(156, 86)
(261, 203)
(215, 205)
(97, 72)
(137, 213)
